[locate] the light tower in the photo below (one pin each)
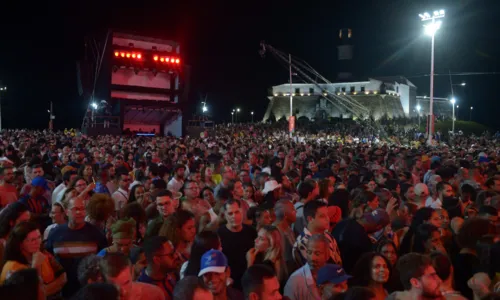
(431, 24)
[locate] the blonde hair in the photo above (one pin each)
(275, 253)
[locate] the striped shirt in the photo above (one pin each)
(38, 205)
(300, 248)
(167, 284)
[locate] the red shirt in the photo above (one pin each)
(8, 194)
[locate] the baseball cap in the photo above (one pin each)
(377, 217)
(331, 273)
(40, 181)
(213, 261)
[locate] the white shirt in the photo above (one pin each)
(120, 197)
(174, 185)
(436, 204)
(47, 231)
(58, 192)
(111, 187)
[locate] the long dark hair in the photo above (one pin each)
(9, 215)
(204, 241)
(421, 215)
(16, 238)
(422, 235)
(361, 274)
(132, 198)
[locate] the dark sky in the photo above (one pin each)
(220, 40)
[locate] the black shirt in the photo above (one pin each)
(465, 266)
(353, 241)
(235, 246)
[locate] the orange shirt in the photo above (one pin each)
(8, 194)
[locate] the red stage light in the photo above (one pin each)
(133, 55)
(117, 53)
(139, 56)
(155, 58)
(128, 55)
(167, 59)
(122, 54)
(162, 59)
(177, 61)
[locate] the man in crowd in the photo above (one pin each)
(165, 206)
(73, 241)
(236, 239)
(285, 217)
(302, 284)
(332, 280)
(214, 271)
(318, 222)
(117, 270)
(8, 191)
(419, 278)
(353, 237)
(308, 191)
(120, 197)
(227, 177)
(260, 283)
(175, 184)
(162, 264)
(68, 175)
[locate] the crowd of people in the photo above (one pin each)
(247, 213)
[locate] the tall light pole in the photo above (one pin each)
(237, 111)
(418, 111)
(291, 91)
(232, 117)
(470, 116)
(252, 115)
(204, 108)
(458, 114)
(453, 101)
(2, 88)
(432, 24)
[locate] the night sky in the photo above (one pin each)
(220, 41)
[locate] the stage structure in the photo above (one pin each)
(146, 87)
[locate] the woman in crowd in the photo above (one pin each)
(372, 271)
(268, 249)
(99, 213)
(427, 239)
(23, 250)
(135, 211)
(10, 216)
(86, 172)
(423, 215)
(262, 218)
(137, 194)
(83, 190)
(389, 250)
(249, 194)
(206, 175)
(207, 194)
(180, 229)
(204, 241)
(326, 189)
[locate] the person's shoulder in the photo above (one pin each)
(234, 294)
(146, 291)
(249, 229)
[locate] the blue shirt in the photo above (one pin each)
(101, 189)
